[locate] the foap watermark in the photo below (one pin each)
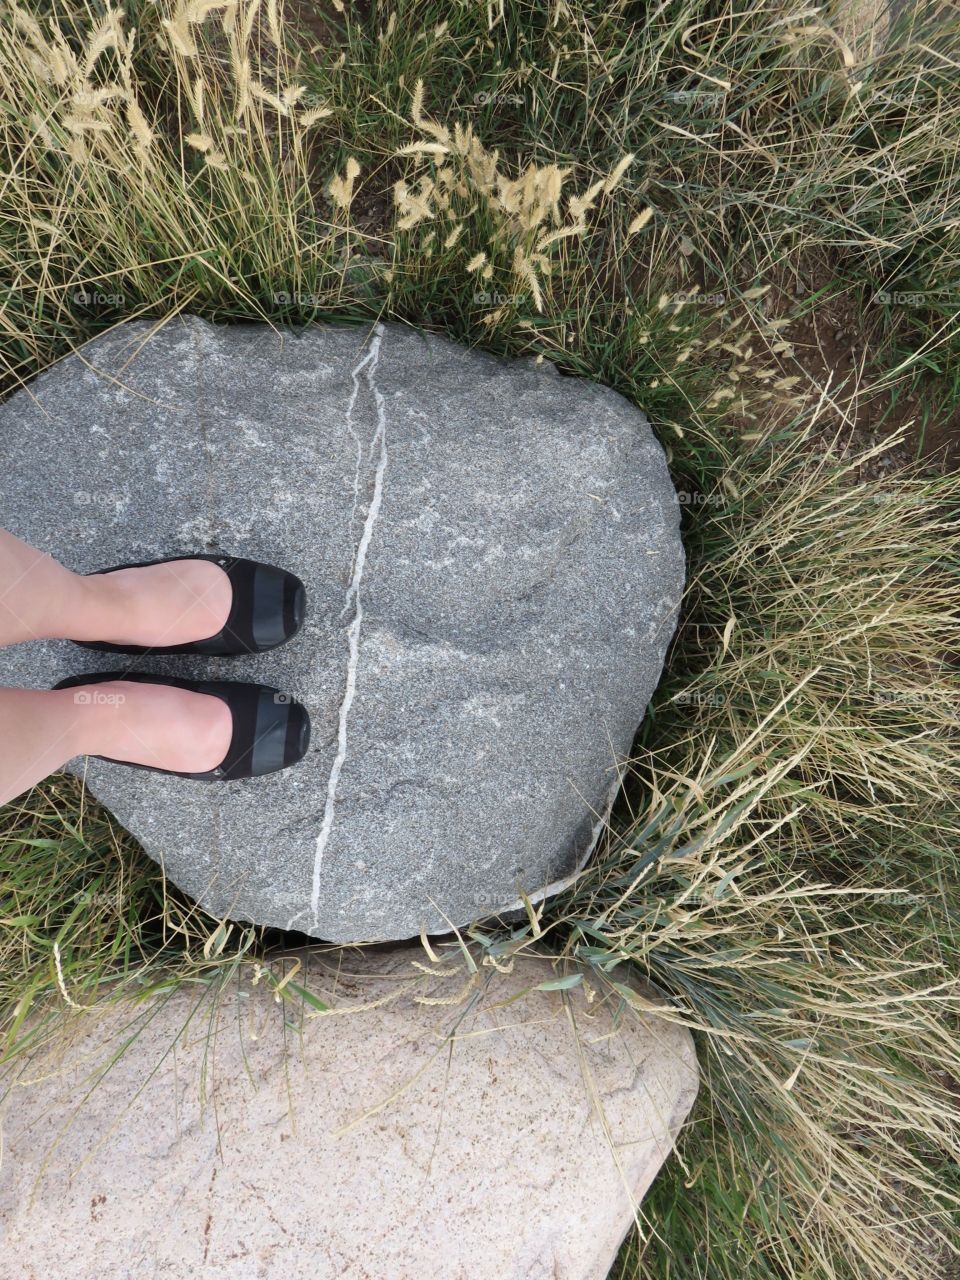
(675, 302)
(98, 498)
(86, 99)
(706, 895)
(288, 698)
(495, 98)
(894, 99)
(889, 497)
(98, 698)
(484, 299)
(88, 898)
(484, 903)
(905, 697)
(688, 499)
(282, 298)
(694, 299)
(912, 298)
(699, 300)
(697, 99)
(97, 298)
(693, 699)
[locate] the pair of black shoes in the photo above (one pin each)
(271, 730)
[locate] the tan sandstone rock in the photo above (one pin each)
(449, 1131)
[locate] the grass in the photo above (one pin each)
(649, 195)
(805, 910)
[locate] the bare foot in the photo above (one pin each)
(152, 724)
(161, 604)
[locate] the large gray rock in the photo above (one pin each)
(493, 563)
(503, 1131)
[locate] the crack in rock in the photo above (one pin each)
(369, 365)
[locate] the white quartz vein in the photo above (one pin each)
(348, 423)
(369, 364)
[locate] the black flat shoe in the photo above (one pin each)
(269, 605)
(271, 730)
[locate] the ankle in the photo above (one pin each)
(93, 605)
(75, 607)
(50, 596)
